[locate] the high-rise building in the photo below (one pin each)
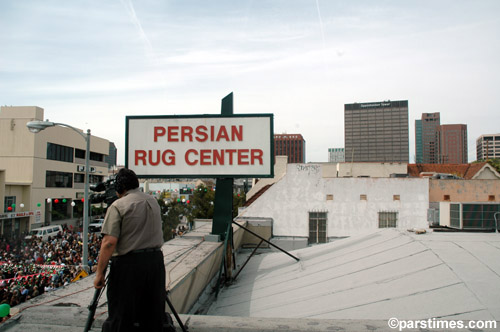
(336, 155)
(452, 144)
(488, 147)
(426, 138)
(111, 157)
(291, 145)
(419, 156)
(376, 131)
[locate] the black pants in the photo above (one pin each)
(136, 293)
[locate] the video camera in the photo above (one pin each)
(109, 195)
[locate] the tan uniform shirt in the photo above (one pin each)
(135, 219)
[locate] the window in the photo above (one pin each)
(455, 215)
(79, 178)
(96, 156)
(59, 152)
(396, 197)
(363, 197)
(329, 197)
(387, 219)
(10, 201)
(479, 216)
(491, 198)
(79, 154)
(317, 227)
(446, 198)
(54, 179)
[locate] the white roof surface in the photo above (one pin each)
(380, 275)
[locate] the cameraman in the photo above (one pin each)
(132, 238)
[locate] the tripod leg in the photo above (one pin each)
(93, 305)
(171, 306)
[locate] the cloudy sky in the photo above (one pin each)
(91, 63)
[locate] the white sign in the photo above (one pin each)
(200, 146)
(11, 215)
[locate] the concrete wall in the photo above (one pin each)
(186, 291)
(464, 190)
(304, 189)
(260, 226)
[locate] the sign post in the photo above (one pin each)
(223, 205)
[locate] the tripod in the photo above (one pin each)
(93, 306)
(171, 306)
(95, 301)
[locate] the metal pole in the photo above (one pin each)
(271, 244)
(248, 259)
(496, 221)
(85, 256)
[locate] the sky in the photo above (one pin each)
(92, 63)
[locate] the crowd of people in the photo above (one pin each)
(29, 268)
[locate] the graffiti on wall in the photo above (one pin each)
(309, 169)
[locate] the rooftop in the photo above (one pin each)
(466, 171)
(375, 276)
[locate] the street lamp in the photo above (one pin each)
(36, 127)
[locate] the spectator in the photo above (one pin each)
(28, 267)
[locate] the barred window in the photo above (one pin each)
(317, 227)
(387, 219)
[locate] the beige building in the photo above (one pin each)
(465, 204)
(42, 175)
(464, 190)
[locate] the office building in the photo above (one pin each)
(419, 156)
(291, 145)
(336, 155)
(376, 132)
(488, 147)
(111, 157)
(426, 138)
(452, 144)
(42, 176)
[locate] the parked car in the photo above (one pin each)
(44, 232)
(96, 226)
